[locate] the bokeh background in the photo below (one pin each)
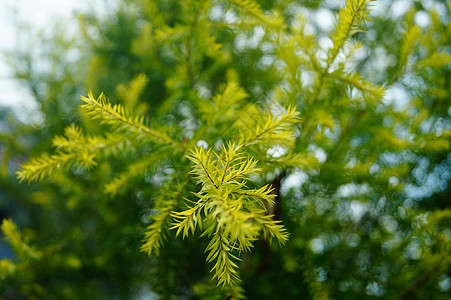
(380, 230)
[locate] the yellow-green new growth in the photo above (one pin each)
(77, 149)
(269, 129)
(354, 79)
(17, 242)
(118, 117)
(253, 8)
(73, 149)
(235, 215)
(350, 20)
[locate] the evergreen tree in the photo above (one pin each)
(246, 149)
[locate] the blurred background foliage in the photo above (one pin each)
(368, 209)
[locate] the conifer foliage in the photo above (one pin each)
(245, 149)
(235, 215)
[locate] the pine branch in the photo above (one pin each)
(74, 149)
(278, 128)
(437, 59)
(130, 93)
(118, 117)
(236, 214)
(410, 39)
(260, 196)
(187, 220)
(252, 8)
(356, 80)
(156, 232)
(236, 166)
(225, 268)
(16, 241)
(202, 160)
(272, 229)
(349, 21)
(39, 168)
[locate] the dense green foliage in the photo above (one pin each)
(244, 150)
